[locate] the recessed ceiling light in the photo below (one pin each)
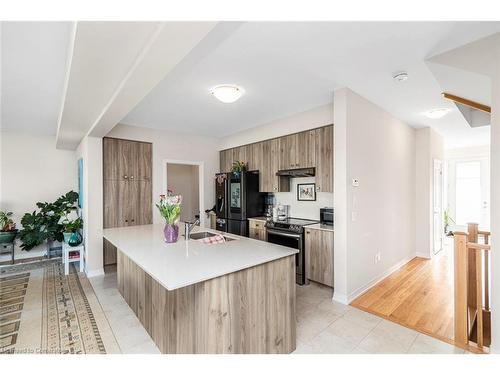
(437, 113)
(227, 93)
(400, 77)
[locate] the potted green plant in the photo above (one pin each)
(238, 167)
(45, 224)
(71, 231)
(8, 231)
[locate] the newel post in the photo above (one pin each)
(461, 272)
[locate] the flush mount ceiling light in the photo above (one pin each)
(400, 77)
(437, 113)
(227, 93)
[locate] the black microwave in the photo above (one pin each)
(326, 216)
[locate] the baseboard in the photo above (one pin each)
(94, 273)
(422, 255)
(352, 296)
(340, 297)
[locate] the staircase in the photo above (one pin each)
(472, 288)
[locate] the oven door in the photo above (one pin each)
(294, 241)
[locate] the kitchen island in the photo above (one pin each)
(193, 297)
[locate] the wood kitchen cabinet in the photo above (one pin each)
(254, 155)
(298, 150)
(319, 255)
(269, 182)
(127, 187)
(324, 159)
(307, 149)
(288, 152)
(257, 229)
(226, 160)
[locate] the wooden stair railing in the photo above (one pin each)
(472, 306)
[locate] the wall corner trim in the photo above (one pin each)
(94, 273)
(340, 297)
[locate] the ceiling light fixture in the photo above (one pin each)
(437, 113)
(227, 93)
(400, 77)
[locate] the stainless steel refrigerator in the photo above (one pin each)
(237, 198)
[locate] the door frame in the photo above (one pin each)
(436, 162)
(201, 181)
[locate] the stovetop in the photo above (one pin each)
(291, 224)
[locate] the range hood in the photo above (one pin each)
(300, 172)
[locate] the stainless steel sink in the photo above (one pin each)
(201, 235)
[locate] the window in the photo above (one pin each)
(468, 192)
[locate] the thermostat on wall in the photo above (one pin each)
(355, 182)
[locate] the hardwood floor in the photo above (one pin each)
(419, 296)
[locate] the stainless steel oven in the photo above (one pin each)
(295, 241)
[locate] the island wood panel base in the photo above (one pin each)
(249, 311)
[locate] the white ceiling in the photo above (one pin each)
(290, 67)
(285, 68)
(33, 70)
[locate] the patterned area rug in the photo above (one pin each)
(44, 311)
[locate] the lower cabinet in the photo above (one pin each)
(319, 256)
(257, 229)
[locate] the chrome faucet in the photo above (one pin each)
(188, 227)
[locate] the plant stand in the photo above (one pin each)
(66, 249)
(5, 246)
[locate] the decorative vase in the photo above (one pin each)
(67, 236)
(171, 232)
(73, 238)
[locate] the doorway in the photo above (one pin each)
(183, 178)
(469, 192)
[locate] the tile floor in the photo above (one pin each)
(323, 326)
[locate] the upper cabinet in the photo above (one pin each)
(308, 149)
(226, 160)
(324, 159)
(126, 160)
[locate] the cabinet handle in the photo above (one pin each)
(125, 177)
(308, 232)
(126, 221)
(133, 221)
(318, 188)
(131, 177)
(256, 225)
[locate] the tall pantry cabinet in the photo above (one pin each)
(127, 179)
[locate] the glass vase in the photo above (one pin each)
(171, 232)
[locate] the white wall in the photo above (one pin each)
(379, 214)
(90, 149)
(183, 179)
(429, 146)
(33, 171)
(180, 147)
(313, 118)
(495, 205)
(310, 119)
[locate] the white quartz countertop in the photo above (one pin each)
(189, 262)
